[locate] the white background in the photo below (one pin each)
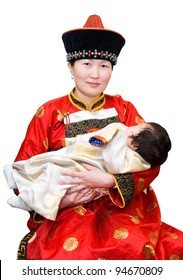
(33, 70)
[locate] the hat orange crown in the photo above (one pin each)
(94, 21)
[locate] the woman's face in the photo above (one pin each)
(91, 77)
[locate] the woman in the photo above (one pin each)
(124, 225)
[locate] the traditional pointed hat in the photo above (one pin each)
(93, 41)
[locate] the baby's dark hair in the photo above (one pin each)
(153, 144)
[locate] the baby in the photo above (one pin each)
(116, 148)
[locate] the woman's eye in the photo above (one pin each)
(104, 66)
(87, 63)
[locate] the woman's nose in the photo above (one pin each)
(95, 72)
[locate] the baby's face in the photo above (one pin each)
(134, 130)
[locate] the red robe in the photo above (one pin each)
(126, 224)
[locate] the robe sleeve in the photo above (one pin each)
(41, 135)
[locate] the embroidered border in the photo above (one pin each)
(96, 105)
(21, 254)
(78, 102)
(126, 185)
(82, 126)
(101, 54)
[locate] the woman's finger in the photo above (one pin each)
(70, 181)
(71, 173)
(74, 189)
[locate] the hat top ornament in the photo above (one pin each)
(93, 41)
(94, 21)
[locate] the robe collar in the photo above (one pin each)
(80, 104)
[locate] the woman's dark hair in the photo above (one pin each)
(153, 144)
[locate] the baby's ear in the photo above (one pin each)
(130, 143)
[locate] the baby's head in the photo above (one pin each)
(151, 141)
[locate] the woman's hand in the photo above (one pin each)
(92, 178)
(78, 197)
(84, 184)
